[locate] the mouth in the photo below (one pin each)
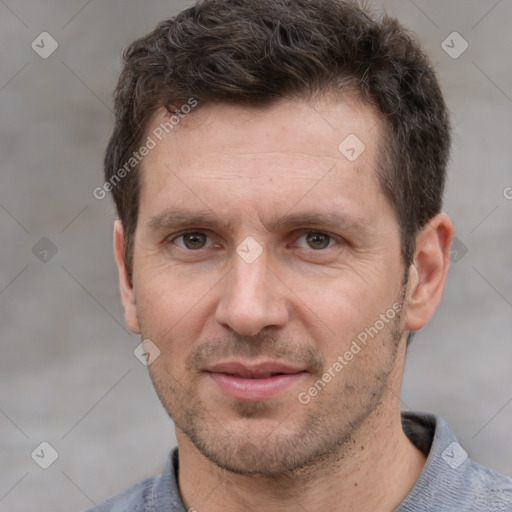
(253, 382)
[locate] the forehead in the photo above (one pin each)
(286, 125)
(273, 153)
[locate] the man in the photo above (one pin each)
(278, 170)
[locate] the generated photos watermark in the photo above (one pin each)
(356, 346)
(156, 136)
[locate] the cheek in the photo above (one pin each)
(340, 319)
(165, 294)
(340, 304)
(172, 314)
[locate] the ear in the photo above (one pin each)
(427, 273)
(125, 287)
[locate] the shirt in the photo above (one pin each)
(449, 481)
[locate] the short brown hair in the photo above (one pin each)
(257, 51)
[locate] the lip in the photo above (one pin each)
(253, 382)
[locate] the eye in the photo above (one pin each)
(317, 240)
(192, 240)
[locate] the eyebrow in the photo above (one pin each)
(177, 218)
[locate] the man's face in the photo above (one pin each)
(296, 253)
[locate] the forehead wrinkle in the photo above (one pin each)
(302, 173)
(263, 153)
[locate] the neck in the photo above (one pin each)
(375, 470)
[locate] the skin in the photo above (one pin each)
(302, 302)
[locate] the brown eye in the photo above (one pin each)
(193, 240)
(318, 241)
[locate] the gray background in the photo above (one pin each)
(68, 373)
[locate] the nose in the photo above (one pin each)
(253, 297)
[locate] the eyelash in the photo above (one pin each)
(305, 233)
